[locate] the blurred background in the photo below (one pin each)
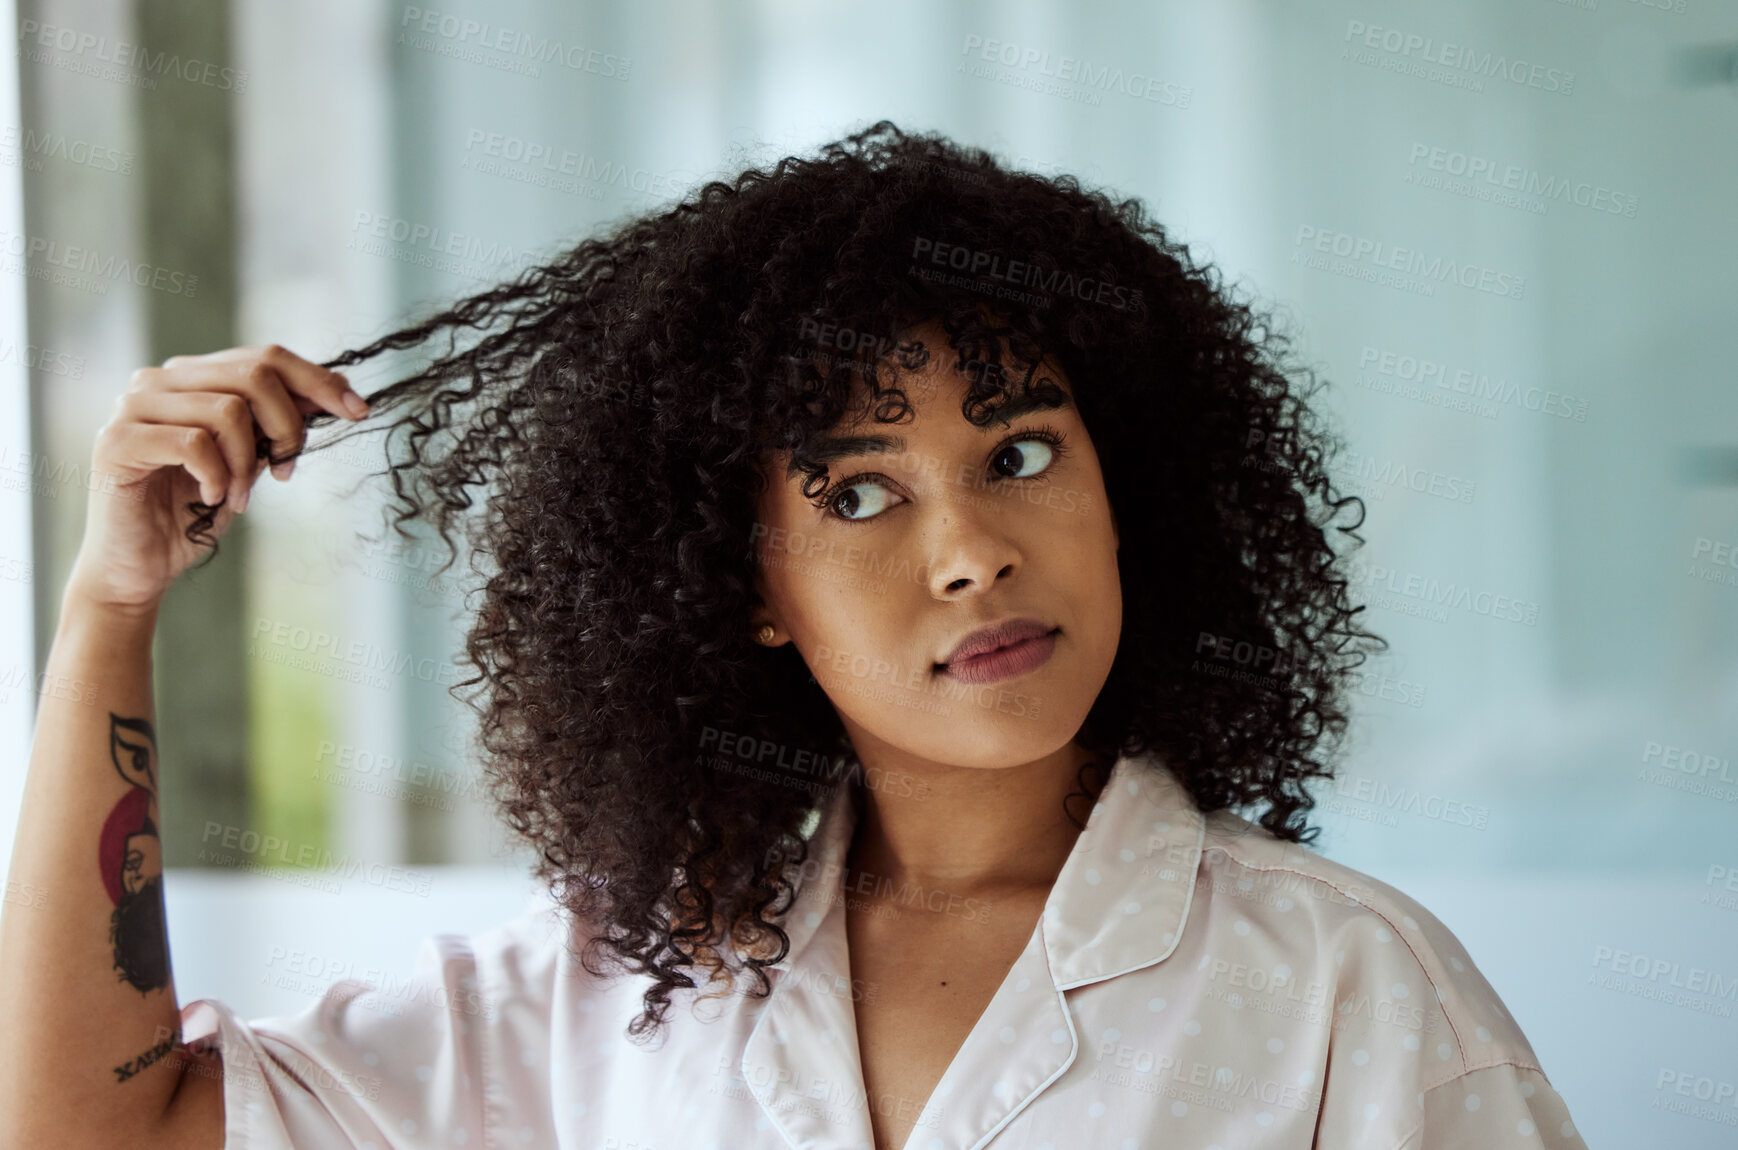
(1502, 229)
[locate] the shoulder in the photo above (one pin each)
(458, 1044)
(520, 958)
(1397, 974)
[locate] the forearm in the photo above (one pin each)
(85, 986)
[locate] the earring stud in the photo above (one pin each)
(765, 634)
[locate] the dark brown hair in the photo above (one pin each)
(612, 410)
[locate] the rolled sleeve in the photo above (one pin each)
(1491, 1108)
(400, 1066)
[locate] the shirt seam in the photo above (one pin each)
(1200, 851)
(1067, 1063)
(487, 1036)
(1460, 1044)
(1400, 1145)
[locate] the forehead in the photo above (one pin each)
(936, 392)
(937, 378)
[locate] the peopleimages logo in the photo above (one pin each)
(1068, 70)
(302, 647)
(89, 46)
(524, 46)
(1494, 390)
(382, 226)
(1461, 59)
(1361, 251)
(543, 162)
(37, 145)
(1382, 474)
(1525, 182)
(1710, 991)
(1673, 758)
(1719, 1095)
(1024, 273)
(1410, 801)
(1432, 596)
(87, 269)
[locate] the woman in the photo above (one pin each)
(899, 570)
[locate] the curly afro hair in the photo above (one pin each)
(615, 405)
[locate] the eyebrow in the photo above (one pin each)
(829, 449)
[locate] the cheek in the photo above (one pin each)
(1100, 576)
(780, 578)
(832, 627)
(847, 633)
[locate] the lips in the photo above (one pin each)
(987, 639)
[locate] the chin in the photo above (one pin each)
(1002, 742)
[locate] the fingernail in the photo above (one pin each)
(281, 471)
(355, 404)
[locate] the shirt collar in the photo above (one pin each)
(1118, 904)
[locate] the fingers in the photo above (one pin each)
(206, 412)
(224, 416)
(329, 389)
(147, 447)
(280, 386)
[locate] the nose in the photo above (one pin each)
(969, 549)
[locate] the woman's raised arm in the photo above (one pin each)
(86, 987)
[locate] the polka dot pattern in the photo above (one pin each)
(1160, 976)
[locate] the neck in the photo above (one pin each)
(969, 831)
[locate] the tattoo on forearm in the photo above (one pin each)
(130, 856)
(139, 742)
(127, 1069)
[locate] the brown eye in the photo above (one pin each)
(1034, 451)
(848, 501)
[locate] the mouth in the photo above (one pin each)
(1001, 651)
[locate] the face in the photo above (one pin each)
(947, 529)
(143, 861)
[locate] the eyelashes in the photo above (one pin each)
(1055, 441)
